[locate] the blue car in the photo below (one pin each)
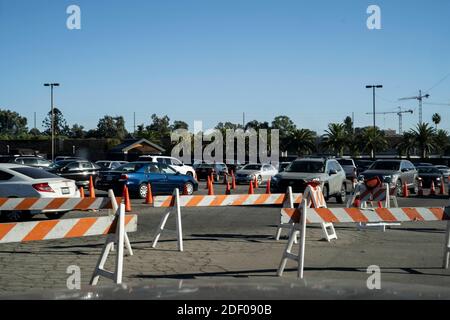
(162, 178)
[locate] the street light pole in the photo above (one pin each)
(52, 121)
(373, 87)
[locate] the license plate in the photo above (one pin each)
(65, 190)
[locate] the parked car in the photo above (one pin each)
(19, 181)
(445, 171)
(176, 164)
(218, 169)
(428, 174)
(349, 167)
(106, 165)
(59, 158)
(32, 161)
(302, 171)
(283, 165)
(422, 164)
(163, 179)
(78, 170)
(262, 173)
(397, 172)
(362, 165)
(233, 167)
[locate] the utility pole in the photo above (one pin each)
(35, 119)
(51, 85)
(373, 87)
(243, 120)
(134, 123)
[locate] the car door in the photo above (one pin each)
(265, 172)
(72, 171)
(173, 178)
(333, 178)
(156, 178)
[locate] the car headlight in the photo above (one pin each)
(438, 179)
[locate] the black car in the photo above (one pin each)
(428, 174)
(78, 170)
(204, 170)
(362, 165)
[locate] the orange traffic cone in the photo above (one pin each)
(207, 182)
(380, 204)
(432, 189)
(210, 188)
(268, 187)
(91, 188)
(357, 203)
(149, 196)
(420, 191)
(227, 190)
(405, 191)
(442, 188)
(81, 192)
(256, 183)
(126, 197)
(250, 188)
(225, 178)
(233, 181)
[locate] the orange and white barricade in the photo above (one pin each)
(114, 226)
(379, 194)
(175, 202)
(304, 215)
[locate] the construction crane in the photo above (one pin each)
(419, 98)
(400, 117)
(437, 104)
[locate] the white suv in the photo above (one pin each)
(176, 164)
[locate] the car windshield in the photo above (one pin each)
(345, 162)
(306, 166)
(252, 167)
(34, 173)
(131, 167)
(428, 170)
(206, 165)
(103, 164)
(60, 164)
(386, 165)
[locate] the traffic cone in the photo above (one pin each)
(227, 190)
(432, 189)
(225, 178)
(81, 192)
(250, 188)
(357, 203)
(268, 186)
(149, 196)
(442, 187)
(380, 205)
(256, 183)
(210, 188)
(233, 181)
(126, 197)
(208, 179)
(405, 191)
(91, 188)
(420, 191)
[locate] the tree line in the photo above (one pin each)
(339, 138)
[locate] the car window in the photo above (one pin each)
(18, 160)
(252, 167)
(86, 165)
(337, 166)
(306, 166)
(5, 175)
(385, 165)
(331, 166)
(131, 167)
(34, 173)
(152, 168)
(73, 165)
(175, 162)
(166, 169)
(29, 161)
(43, 161)
(345, 162)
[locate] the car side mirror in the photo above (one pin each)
(405, 170)
(332, 172)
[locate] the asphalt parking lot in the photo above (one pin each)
(234, 242)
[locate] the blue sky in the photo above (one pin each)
(211, 60)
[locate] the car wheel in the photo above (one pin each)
(325, 192)
(142, 190)
(399, 187)
(54, 215)
(340, 198)
(188, 188)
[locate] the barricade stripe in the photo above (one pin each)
(11, 203)
(55, 203)
(98, 227)
(60, 230)
(412, 214)
(193, 202)
(399, 214)
(342, 215)
(112, 227)
(217, 201)
(439, 213)
(290, 215)
(40, 205)
(80, 228)
(239, 201)
(3, 201)
(262, 198)
(40, 230)
(167, 202)
(84, 204)
(5, 228)
(326, 215)
(356, 214)
(426, 214)
(385, 214)
(19, 231)
(26, 203)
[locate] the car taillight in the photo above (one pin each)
(43, 187)
(124, 177)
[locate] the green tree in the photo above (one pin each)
(77, 131)
(436, 118)
(111, 127)
(424, 138)
(442, 141)
(60, 125)
(255, 124)
(177, 124)
(373, 140)
(335, 138)
(286, 129)
(303, 141)
(407, 144)
(12, 124)
(348, 125)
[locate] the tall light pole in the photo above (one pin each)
(51, 85)
(374, 112)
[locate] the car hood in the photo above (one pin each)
(372, 173)
(247, 171)
(301, 175)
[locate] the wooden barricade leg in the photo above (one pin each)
(445, 262)
(301, 250)
(115, 207)
(288, 203)
(118, 239)
(179, 231)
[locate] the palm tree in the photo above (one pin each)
(407, 144)
(303, 141)
(373, 140)
(442, 141)
(436, 119)
(335, 138)
(424, 138)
